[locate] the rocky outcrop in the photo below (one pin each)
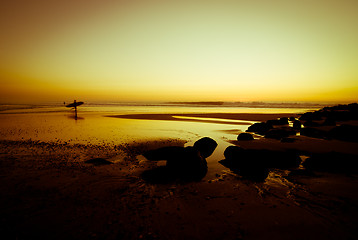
(297, 125)
(279, 133)
(186, 163)
(245, 137)
(255, 164)
(332, 162)
(313, 132)
(205, 146)
(280, 121)
(345, 132)
(260, 128)
(98, 161)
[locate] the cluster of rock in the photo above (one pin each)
(327, 123)
(332, 162)
(187, 163)
(324, 123)
(255, 164)
(336, 113)
(276, 129)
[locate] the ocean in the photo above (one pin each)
(102, 123)
(55, 123)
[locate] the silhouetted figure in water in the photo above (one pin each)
(74, 105)
(184, 163)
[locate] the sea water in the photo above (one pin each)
(96, 123)
(54, 122)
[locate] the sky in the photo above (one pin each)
(157, 50)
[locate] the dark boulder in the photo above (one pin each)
(255, 164)
(297, 124)
(264, 158)
(332, 162)
(188, 165)
(283, 121)
(345, 132)
(337, 113)
(163, 153)
(273, 122)
(288, 140)
(279, 133)
(245, 137)
(260, 128)
(283, 159)
(185, 163)
(233, 152)
(311, 116)
(341, 115)
(313, 132)
(206, 146)
(280, 121)
(98, 161)
(241, 162)
(310, 123)
(329, 122)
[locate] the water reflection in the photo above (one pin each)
(76, 117)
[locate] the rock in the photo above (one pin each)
(253, 169)
(245, 137)
(98, 161)
(266, 158)
(283, 159)
(345, 132)
(273, 122)
(233, 152)
(279, 133)
(185, 163)
(206, 146)
(288, 140)
(311, 116)
(256, 174)
(332, 162)
(163, 153)
(283, 121)
(260, 128)
(297, 124)
(292, 119)
(255, 164)
(313, 132)
(310, 123)
(189, 165)
(340, 115)
(329, 122)
(337, 113)
(280, 121)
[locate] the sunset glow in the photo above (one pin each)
(179, 51)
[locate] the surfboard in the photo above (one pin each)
(74, 104)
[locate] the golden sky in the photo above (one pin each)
(156, 50)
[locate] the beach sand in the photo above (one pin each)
(48, 191)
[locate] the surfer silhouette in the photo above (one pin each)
(74, 105)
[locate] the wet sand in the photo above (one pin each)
(50, 192)
(208, 117)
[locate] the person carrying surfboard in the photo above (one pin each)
(74, 105)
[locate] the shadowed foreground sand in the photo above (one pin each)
(49, 192)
